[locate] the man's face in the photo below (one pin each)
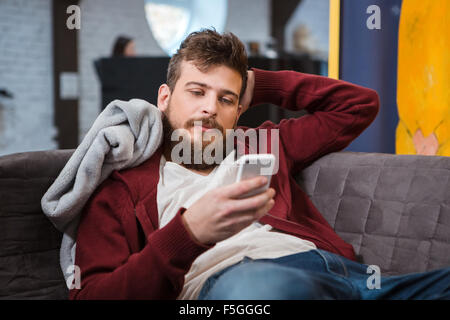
(211, 97)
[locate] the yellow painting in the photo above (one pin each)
(423, 82)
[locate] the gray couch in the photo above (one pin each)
(394, 210)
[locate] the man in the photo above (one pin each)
(167, 230)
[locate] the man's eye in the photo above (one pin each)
(196, 93)
(226, 101)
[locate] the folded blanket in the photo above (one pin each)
(124, 135)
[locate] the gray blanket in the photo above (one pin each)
(124, 135)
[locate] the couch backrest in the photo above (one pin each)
(29, 243)
(393, 209)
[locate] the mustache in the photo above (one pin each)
(207, 122)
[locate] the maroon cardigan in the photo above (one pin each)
(120, 258)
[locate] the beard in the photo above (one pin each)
(196, 153)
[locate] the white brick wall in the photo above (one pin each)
(26, 69)
(103, 20)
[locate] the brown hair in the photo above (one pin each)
(207, 48)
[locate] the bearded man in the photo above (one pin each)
(171, 229)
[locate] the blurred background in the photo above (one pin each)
(63, 61)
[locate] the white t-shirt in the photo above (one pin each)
(180, 187)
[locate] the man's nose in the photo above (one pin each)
(210, 106)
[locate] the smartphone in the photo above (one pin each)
(253, 165)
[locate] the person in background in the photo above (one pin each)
(124, 47)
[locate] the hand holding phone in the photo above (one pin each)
(253, 165)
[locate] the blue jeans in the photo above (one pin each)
(318, 274)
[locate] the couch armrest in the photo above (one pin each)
(29, 243)
(393, 209)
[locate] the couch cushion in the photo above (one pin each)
(393, 209)
(29, 243)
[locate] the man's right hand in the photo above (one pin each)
(219, 215)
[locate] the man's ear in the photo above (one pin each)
(239, 112)
(163, 97)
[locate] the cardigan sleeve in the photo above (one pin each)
(338, 112)
(109, 267)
